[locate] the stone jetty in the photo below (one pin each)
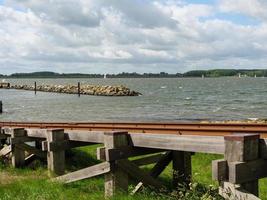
(83, 89)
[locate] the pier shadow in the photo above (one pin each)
(81, 157)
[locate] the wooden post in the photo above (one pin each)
(1, 107)
(79, 89)
(182, 170)
(18, 155)
(242, 148)
(55, 157)
(116, 180)
(35, 87)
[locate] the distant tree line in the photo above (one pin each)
(194, 73)
(227, 72)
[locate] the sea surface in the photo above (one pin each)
(170, 99)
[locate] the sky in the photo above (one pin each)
(113, 36)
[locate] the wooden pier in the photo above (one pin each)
(238, 173)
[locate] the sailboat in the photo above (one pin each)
(105, 75)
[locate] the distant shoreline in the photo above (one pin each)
(216, 73)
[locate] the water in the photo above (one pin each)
(181, 99)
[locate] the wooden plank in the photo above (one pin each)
(203, 144)
(182, 169)
(6, 150)
(31, 150)
(234, 192)
(116, 181)
(138, 174)
(219, 170)
(88, 172)
(126, 152)
(242, 172)
(19, 140)
(162, 163)
(72, 135)
(63, 145)
(56, 159)
(18, 155)
(29, 159)
(147, 160)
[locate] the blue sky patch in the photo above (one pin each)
(235, 18)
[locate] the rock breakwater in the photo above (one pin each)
(84, 89)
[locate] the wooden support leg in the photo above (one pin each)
(116, 180)
(55, 157)
(182, 171)
(18, 155)
(242, 148)
(159, 167)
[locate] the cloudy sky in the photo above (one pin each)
(111, 36)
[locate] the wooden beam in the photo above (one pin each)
(242, 172)
(56, 159)
(29, 159)
(116, 181)
(6, 150)
(18, 155)
(88, 172)
(243, 148)
(219, 170)
(138, 174)
(263, 148)
(162, 163)
(234, 192)
(182, 169)
(124, 152)
(203, 144)
(19, 140)
(31, 150)
(147, 160)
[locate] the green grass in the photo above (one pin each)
(32, 183)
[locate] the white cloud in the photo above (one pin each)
(254, 8)
(99, 36)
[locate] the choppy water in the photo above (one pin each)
(162, 100)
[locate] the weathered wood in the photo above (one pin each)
(88, 172)
(56, 159)
(96, 137)
(182, 170)
(147, 160)
(19, 140)
(234, 192)
(55, 146)
(263, 148)
(1, 107)
(29, 159)
(243, 148)
(31, 150)
(5, 150)
(116, 180)
(203, 144)
(18, 155)
(138, 174)
(124, 152)
(219, 170)
(163, 162)
(242, 172)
